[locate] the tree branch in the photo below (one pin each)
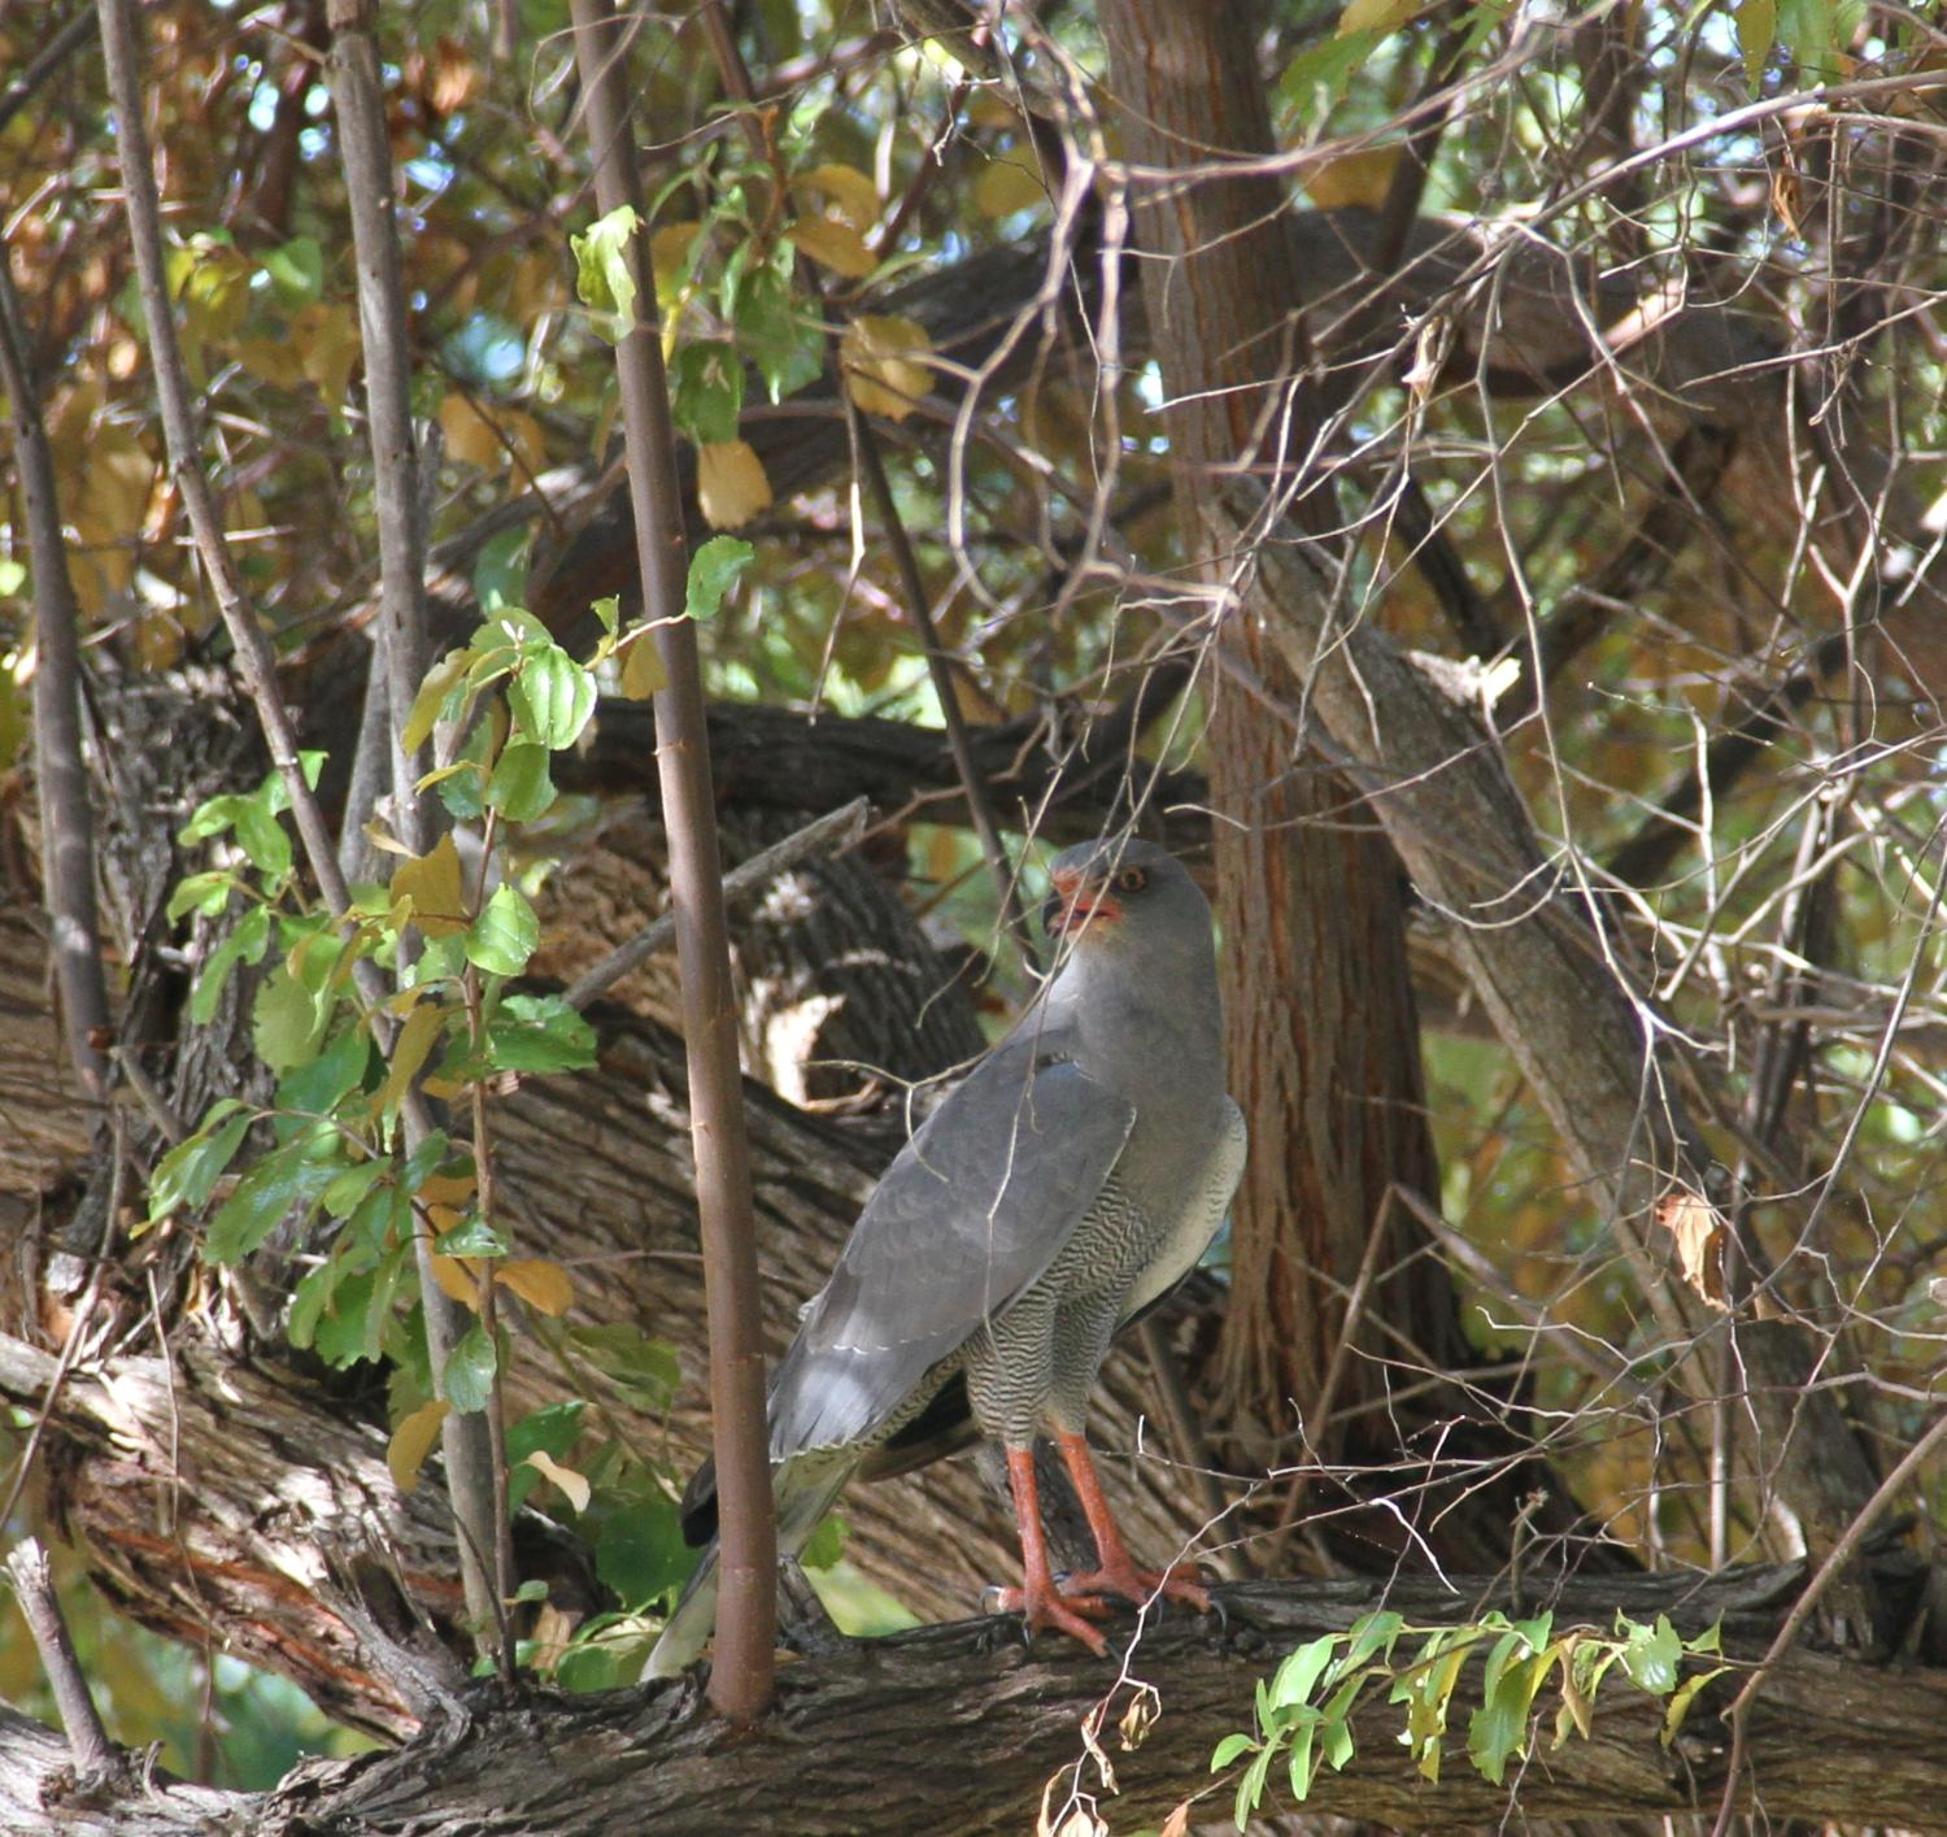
(961, 1728)
(60, 772)
(740, 1681)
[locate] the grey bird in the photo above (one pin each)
(1067, 1184)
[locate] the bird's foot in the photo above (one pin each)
(1051, 1609)
(1128, 1583)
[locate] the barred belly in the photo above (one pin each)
(1033, 1365)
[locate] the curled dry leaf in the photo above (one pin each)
(1698, 1228)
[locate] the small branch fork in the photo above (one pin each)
(741, 1680)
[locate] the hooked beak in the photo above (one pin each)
(1074, 903)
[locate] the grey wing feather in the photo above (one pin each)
(974, 1209)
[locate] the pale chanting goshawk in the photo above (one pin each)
(1071, 1180)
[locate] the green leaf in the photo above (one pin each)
(1498, 1730)
(424, 1160)
(349, 1190)
(1301, 1670)
(520, 788)
(188, 1173)
(261, 836)
(212, 817)
(553, 1429)
(605, 274)
(1335, 1742)
(471, 1237)
(1682, 1698)
(826, 1544)
(783, 346)
(1652, 1656)
(280, 1183)
(1373, 1633)
(706, 383)
(1304, 1765)
(714, 569)
(205, 894)
(1228, 1750)
(584, 1669)
(639, 1548)
(1250, 1789)
(1315, 81)
(297, 270)
(552, 697)
(246, 944)
(468, 1379)
(503, 937)
(285, 1023)
(539, 1033)
(500, 572)
(316, 1087)
(609, 610)
(644, 1370)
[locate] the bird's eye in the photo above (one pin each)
(1131, 880)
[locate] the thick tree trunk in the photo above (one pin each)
(962, 1729)
(1323, 1038)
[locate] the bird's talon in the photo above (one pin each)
(1139, 1586)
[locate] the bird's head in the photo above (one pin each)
(1121, 895)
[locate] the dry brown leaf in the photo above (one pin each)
(1698, 1229)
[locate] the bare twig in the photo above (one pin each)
(740, 1681)
(399, 658)
(1834, 1566)
(97, 1761)
(60, 774)
(831, 833)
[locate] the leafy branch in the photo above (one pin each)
(1306, 1711)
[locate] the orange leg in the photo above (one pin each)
(1118, 1574)
(1040, 1602)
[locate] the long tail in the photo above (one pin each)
(804, 1488)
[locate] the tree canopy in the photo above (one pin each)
(1466, 476)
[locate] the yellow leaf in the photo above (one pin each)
(432, 697)
(446, 1189)
(382, 838)
(456, 1279)
(877, 356)
(471, 438)
(326, 337)
(541, 1283)
(1363, 177)
(669, 257)
(642, 668)
(409, 1052)
(273, 360)
(730, 484)
(432, 883)
(1375, 15)
(840, 191)
(834, 245)
(412, 1441)
(573, 1485)
(1006, 185)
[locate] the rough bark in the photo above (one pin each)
(1557, 993)
(211, 1490)
(1322, 1038)
(960, 1728)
